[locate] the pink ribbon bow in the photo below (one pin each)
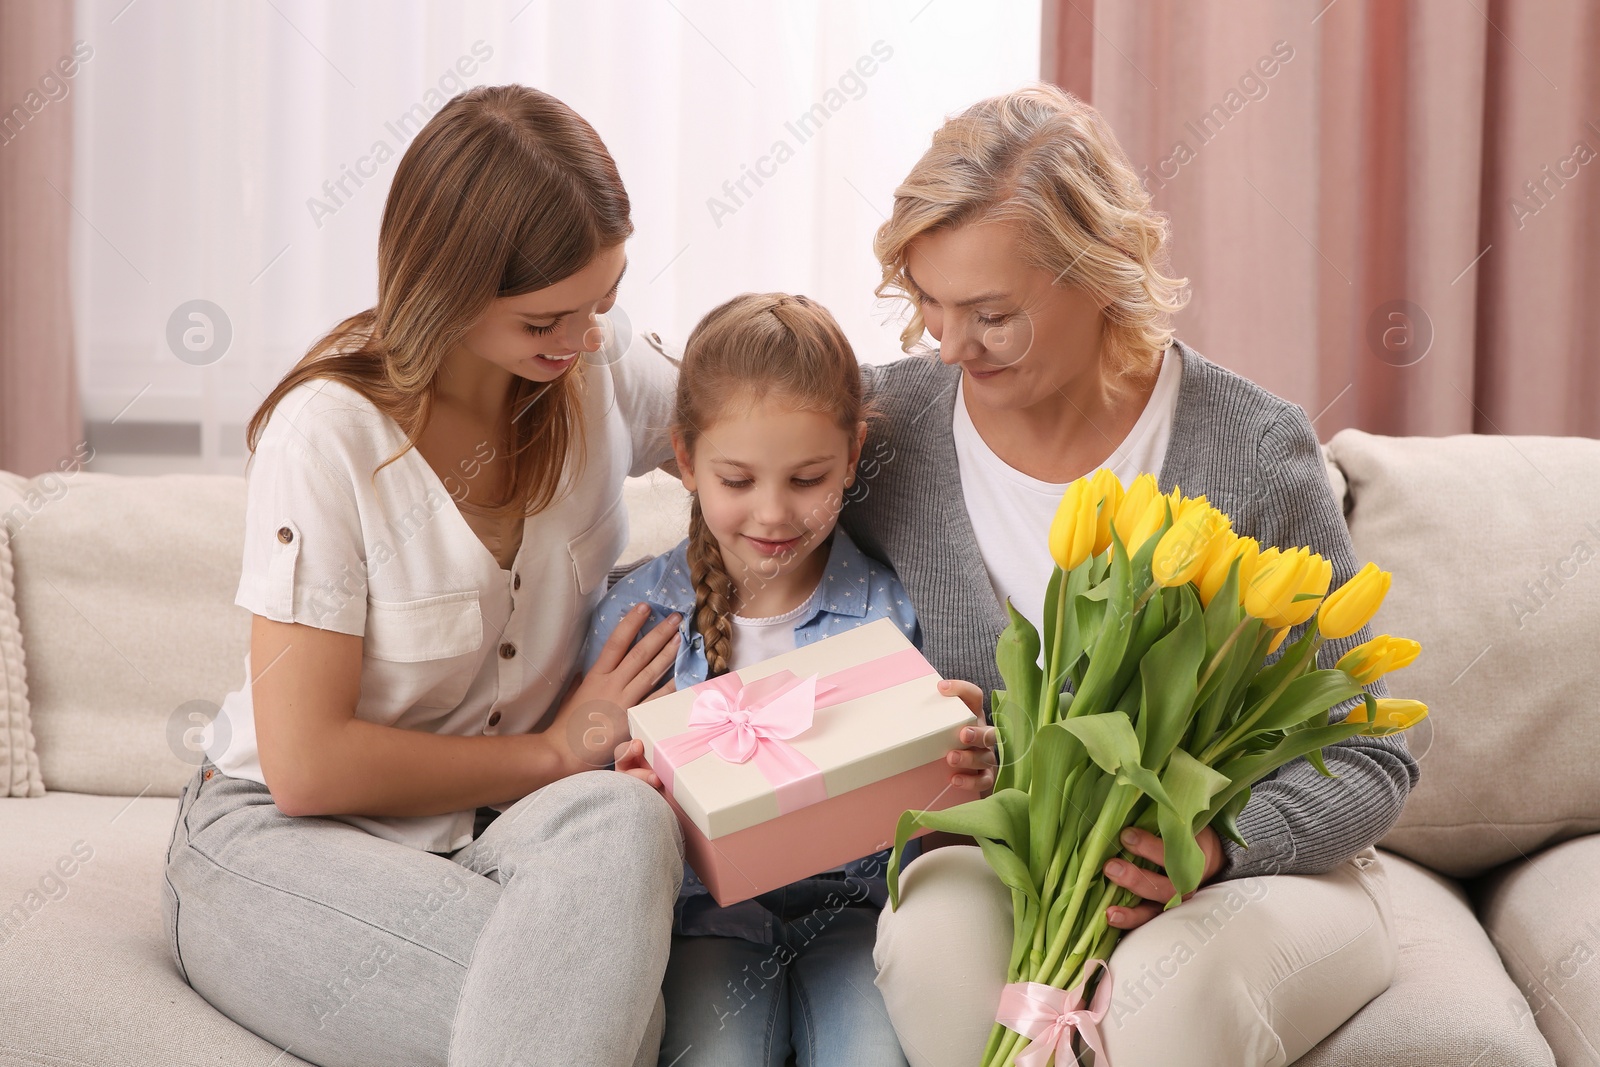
(1049, 1017)
(742, 722)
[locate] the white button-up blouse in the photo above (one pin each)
(452, 642)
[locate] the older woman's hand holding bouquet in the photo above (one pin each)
(1147, 706)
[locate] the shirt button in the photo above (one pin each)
(507, 650)
(516, 581)
(285, 534)
(494, 719)
(208, 775)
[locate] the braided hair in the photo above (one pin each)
(755, 347)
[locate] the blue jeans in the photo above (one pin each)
(737, 1003)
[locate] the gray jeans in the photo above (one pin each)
(541, 942)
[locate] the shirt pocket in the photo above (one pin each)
(431, 648)
(596, 549)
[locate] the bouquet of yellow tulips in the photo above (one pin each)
(1148, 701)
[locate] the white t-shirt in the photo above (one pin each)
(755, 640)
(452, 642)
(1011, 512)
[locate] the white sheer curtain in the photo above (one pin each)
(240, 154)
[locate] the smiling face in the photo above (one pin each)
(539, 335)
(771, 482)
(1018, 337)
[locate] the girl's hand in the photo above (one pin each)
(593, 715)
(1154, 886)
(630, 760)
(974, 765)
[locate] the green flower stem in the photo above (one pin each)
(1006, 1052)
(1113, 817)
(1222, 653)
(1144, 598)
(997, 1034)
(1241, 730)
(1050, 693)
(1097, 924)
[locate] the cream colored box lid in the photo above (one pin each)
(854, 743)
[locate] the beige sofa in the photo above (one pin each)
(123, 591)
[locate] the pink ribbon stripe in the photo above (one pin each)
(739, 722)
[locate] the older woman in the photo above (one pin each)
(1029, 251)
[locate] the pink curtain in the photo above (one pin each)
(1389, 212)
(40, 421)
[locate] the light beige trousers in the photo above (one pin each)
(1251, 972)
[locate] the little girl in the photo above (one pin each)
(767, 427)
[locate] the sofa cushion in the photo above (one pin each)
(1495, 547)
(88, 974)
(19, 758)
(1450, 1004)
(1541, 915)
(125, 591)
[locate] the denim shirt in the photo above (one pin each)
(855, 590)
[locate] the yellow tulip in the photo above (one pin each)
(1108, 493)
(1131, 508)
(1146, 526)
(1279, 577)
(1368, 662)
(1354, 603)
(1223, 552)
(1393, 716)
(1277, 640)
(1073, 529)
(1314, 579)
(1182, 551)
(1270, 593)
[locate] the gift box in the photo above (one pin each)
(803, 762)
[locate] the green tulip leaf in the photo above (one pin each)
(1111, 742)
(1109, 739)
(1170, 676)
(1224, 612)
(1308, 695)
(1226, 820)
(1050, 639)
(1055, 754)
(1009, 750)
(1009, 867)
(1190, 785)
(1246, 769)
(1017, 656)
(1002, 816)
(1289, 663)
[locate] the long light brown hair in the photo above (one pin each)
(1047, 162)
(756, 347)
(506, 190)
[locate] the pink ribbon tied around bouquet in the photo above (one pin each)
(743, 722)
(1048, 1017)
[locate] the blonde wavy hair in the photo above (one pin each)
(1047, 162)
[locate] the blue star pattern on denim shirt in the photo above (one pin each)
(854, 590)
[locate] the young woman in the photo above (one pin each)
(1029, 251)
(767, 430)
(433, 504)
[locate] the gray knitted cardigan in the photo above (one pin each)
(1254, 456)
